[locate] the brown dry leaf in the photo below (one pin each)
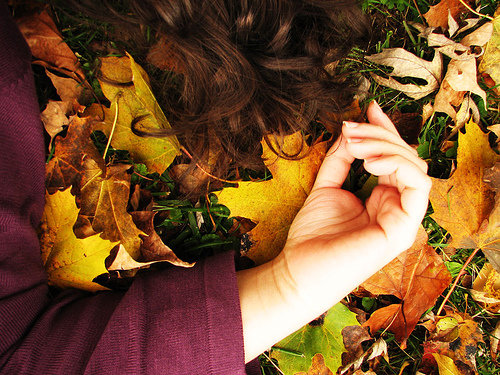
(70, 261)
(66, 166)
(103, 200)
(456, 336)
(318, 367)
(446, 99)
(486, 289)
(152, 247)
(437, 16)
(162, 55)
(406, 64)
(417, 277)
(463, 203)
(46, 43)
(273, 204)
(354, 336)
(54, 118)
(489, 62)
(494, 341)
(69, 90)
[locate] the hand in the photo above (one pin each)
(333, 223)
(336, 242)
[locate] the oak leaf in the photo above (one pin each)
(273, 204)
(417, 277)
(127, 87)
(70, 261)
(66, 166)
(463, 203)
(406, 64)
(437, 16)
(103, 198)
(489, 62)
(295, 353)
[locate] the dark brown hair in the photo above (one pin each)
(249, 69)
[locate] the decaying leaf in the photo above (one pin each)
(103, 201)
(66, 165)
(406, 64)
(437, 16)
(455, 336)
(163, 55)
(295, 353)
(494, 341)
(70, 261)
(489, 62)
(126, 85)
(152, 247)
(46, 43)
(417, 277)
(463, 203)
(273, 204)
(54, 118)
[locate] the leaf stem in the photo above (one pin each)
(476, 13)
(462, 271)
(112, 128)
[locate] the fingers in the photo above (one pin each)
(413, 184)
(377, 117)
(335, 167)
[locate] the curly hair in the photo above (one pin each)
(250, 69)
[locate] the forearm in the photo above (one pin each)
(281, 296)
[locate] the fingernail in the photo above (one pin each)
(349, 124)
(354, 140)
(375, 103)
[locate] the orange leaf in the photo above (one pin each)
(437, 16)
(417, 277)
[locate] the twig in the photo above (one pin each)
(112, 128)
(418, 10)
(476, 13)
(462, 271)
(270, 361)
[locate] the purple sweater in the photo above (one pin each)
(179, 321)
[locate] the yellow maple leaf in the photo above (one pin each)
(463, 203)
(126, 85)
(70, 261)
(489, 62)
(273, 204)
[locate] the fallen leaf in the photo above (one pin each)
(479, 37)
(70, 261)
(486, 289)
(494, 340)
(68, 89)
(273, 204)
(295, 353)
(437, 16)
(54, 118)
(353, 337)
(462, 76)
(318, 367)
(163, 55)
(46, 42)
(126, 85)
(446, 99)
(120, 260)
(152, 247)
(103, 198)
(462, 204)
(66, 166)
(457, 339)
(406, 64)
(468, 111)
(446, 365)
(452, 24)
(417, 277)
(489, 62)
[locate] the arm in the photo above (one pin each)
(336, 242)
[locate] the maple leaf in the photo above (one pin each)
(70, 261)
(446, 365)
(489, 62)
(126, 85)
(66, 166)
(273, 204)
(103, 197)
(46, 43)
(486, 289)
(295, 353)
(463, 203)
(406, 64)
(417, 277)
(437, 16)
